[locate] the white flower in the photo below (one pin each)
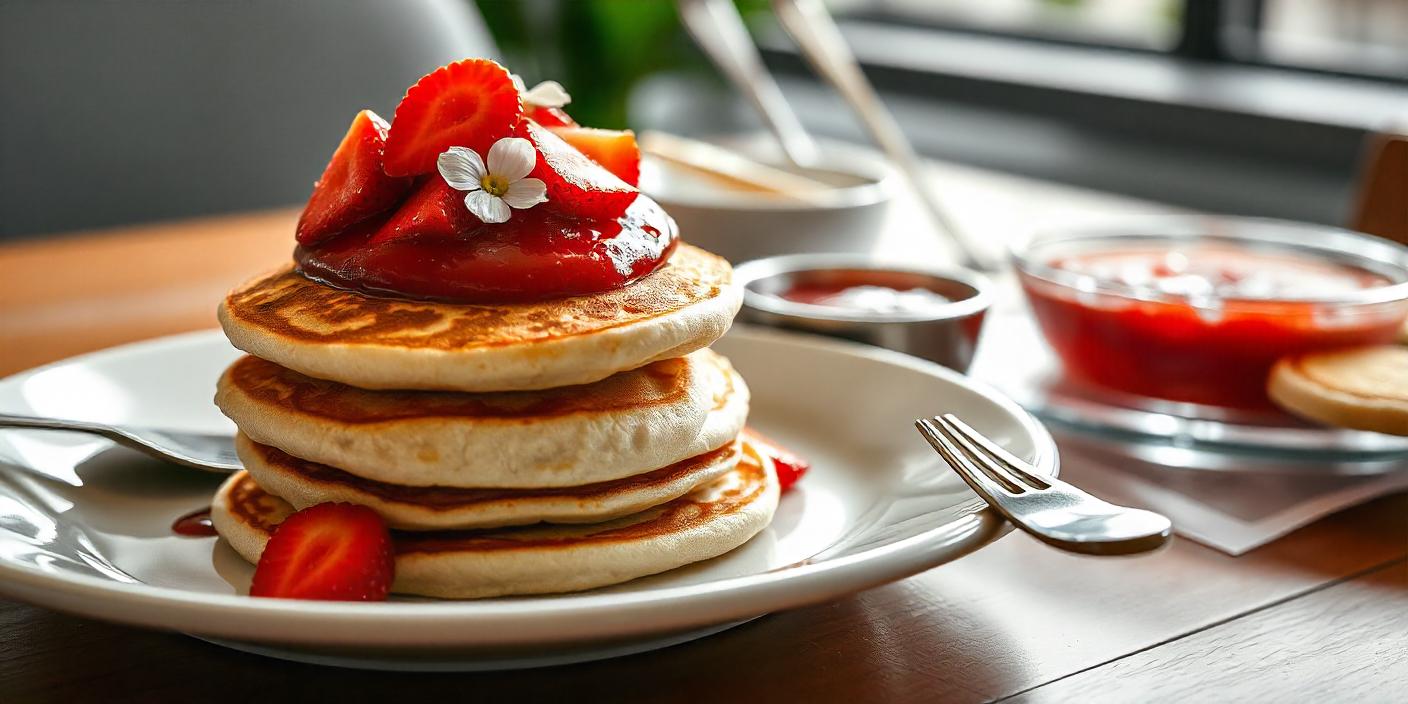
(493, 190)
(548, 94)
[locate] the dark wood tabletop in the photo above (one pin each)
(1319, 615)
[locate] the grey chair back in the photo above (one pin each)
(123, 112)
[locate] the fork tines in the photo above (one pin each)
(986, 467)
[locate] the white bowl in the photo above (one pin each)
(740, 226)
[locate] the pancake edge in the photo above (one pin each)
(1292, 389)
(547, 570)
(301, 492)
(567, 450)
(580, 358)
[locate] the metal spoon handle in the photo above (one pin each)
(718, 29)
(812, 27)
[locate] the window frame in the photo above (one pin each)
(1205, 33)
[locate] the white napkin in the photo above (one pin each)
(1229, 511)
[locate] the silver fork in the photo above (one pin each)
(211, 453)
(1049, 509)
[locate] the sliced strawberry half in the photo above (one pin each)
(433, 210)
(353, 187)
(329, 551)
(550, 117)
(470, 103)
(789, 465)
(576, 185)
(614, 149)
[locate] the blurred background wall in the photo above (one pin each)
(132, 111)
(117, 112)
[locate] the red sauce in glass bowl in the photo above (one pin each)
(538, 254)
(1208, 321)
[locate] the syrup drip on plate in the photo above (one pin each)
(195, 524)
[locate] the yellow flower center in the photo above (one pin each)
(494, 185)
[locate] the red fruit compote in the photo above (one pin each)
(1197, 310)
(392, 212)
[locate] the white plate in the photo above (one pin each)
(87, 528)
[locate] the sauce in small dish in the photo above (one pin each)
(1200, 318)
(928, 312)
(867, 298)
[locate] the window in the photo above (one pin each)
(1145, 24)
(1367, 38)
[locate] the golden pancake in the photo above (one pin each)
(303, 484)
(1364, 388)
(632, 422)
(386, 343)
(708, 522)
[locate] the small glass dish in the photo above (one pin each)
(1197, 309)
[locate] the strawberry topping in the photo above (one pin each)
(538, 254)
(338, 552)
(551, 117)
(614, 149)
(575, 183)
(353, 187)
(433, 210)
(384, 219)
(471, 103)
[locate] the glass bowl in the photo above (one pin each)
(1197, 309)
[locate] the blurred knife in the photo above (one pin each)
(815, 32)
(718, 29)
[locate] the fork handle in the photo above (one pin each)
(12, 420)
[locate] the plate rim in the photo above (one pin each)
(538, 618)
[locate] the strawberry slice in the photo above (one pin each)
(470, 103)
(576, 185)
(434, 210)
(789, 465)
(353, 187)
(550, 117)
(337, 552)
(615, 149)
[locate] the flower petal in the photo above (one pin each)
(462, 168)
(518, 84)
(526, 193)
(486, 207)
(511, 158)
(548, 94)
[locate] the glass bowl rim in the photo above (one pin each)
(1363, 251)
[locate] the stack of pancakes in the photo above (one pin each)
(513, 449)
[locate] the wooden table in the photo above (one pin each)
(1320, 615)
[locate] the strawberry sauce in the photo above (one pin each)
(538, 254)
(1228, 315)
